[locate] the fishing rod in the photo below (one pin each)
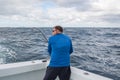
(46, 40)
(44, 36)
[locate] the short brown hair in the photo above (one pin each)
(59, 28)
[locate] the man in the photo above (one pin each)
(59, 48)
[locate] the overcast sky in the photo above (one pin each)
(68, 13)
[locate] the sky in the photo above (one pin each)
(67, 13)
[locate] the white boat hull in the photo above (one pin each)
(35, 70)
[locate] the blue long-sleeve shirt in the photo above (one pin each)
(60, 48)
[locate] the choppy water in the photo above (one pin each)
(95, 49)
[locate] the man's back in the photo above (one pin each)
(60, 49)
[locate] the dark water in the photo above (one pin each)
(95, 49)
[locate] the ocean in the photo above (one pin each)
(95, 49)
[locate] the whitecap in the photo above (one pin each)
(5, 54)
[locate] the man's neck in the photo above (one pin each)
(59, 32)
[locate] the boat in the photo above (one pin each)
(35, 70)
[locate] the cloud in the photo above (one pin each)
(113, 18)
(105, 12)
(81, 5)
(16, 7)
(65, 12)
(20, 10)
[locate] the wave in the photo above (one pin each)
(6, 55)
(112, 34)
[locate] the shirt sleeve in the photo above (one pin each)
(49, 47)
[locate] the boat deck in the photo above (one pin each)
(38, 75)
(35, 70)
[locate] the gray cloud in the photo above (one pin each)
(6, 8)
(112, 18)
(15, 7)
(104, 18)
(81, 5)
(106, 14)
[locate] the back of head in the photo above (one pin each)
(59, 28)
